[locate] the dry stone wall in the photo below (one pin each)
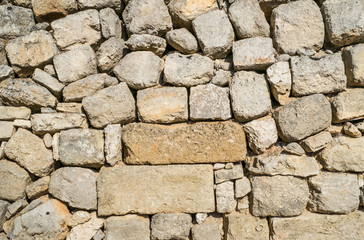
(181, 119)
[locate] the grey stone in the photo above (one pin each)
(38, 188)
(48, 10)
(242, 187)
(171, 226)
(55, 122)
(351, 130)
(113, 144)
(182, 40)
(209, 229)
(88, 229)
(201, 217)
(100, 235)
(223, 175)
(16, 207)
(222, 78)
(69, 107)
(146, 42)
(131, 227)
(250, 98)
(6, 72)
(348, 105)
(11, 113)
(79, 217)
(110, 23)
(16, 21)
(20, 123)
(245, 226)
(225, 63)
(110, 53)
(280, 80)
(47, 81)
(3, 59)
(3, 208)
(225, 201)
(99, 4)
(47, 139)
(354, 66)
(316, 142)
(268, 5)
(6, 130)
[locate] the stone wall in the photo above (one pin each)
(181, 119)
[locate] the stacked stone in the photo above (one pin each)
(175, 119)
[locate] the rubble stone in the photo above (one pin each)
(253, 227)
(54, 122)
(110, 53)
(170, 226)
(16, 21)
(348, 105)
(182, 40)
(146, 42)
(354, 66)
(280, 80)
(113, 144)
(38, 188)
(317, 142)
(133, 227)
(110, 23)
(49, 10)
(47, 81)
(225, 201)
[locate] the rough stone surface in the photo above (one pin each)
(146, 42)
(7, 130)
(48, 10)
(12, 113)
(6, 72)
(246, 226)
(223, 175)
(209, 229)
(54, 122)
(16, 207)
(242, 187)
(113, 144)
(280, 80)
(79, 217)
(170, 226)
(182, 40)
(16, 21)
(131, 227)
(225, 201)
(354, 66)
(110, 53)
(348, 105)
(3, 209)
(86, 230)
(69, 107)
(351, 130)
(144, 189)
(222, 78)
(99, 4)
(110, 23)
(47, 81)
(316, 142)
(38, 188)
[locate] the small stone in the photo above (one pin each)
(47, 139)
(100, 4)
(139, 78)
(79, 217)
(242, 187)
(48, 10)
(170, 226)
(225, 63)
(131, 226)
(110, 23)
(225, 201)
(69, 107)
(38, 188)
(222, 78)
(50, 70)
(283, 57)
(55, 122)
(280, 80)
(354, 66)
(146, 42)
(99, 235)
(316, 142)
(182, 40)
(201, 217)
(86, 230)
(19, 123)
(12, 113)
(243, 204)
(250, 98)
(110, 53)
(6, 130)
(15, 21)
(113, 144)
(6, 72)
(253, 54)
(351, 130)
(224, 175)
(215, 42)
(15, 208)
(218, 166)
(360, 125)
(3, 208)
(47, 110)
(246, 226)
(229, 165)
(47, 81)
(209, 229)
(187, 70)
(2, 147)
(348, 105)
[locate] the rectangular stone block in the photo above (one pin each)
(155, 189)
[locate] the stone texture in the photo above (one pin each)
(110, 53)
(113, 144)
(253, 54)
(162, 105)
(182, 40)
(280, 80)
(242, 187)
(13, 181)
(139, 78)
(222, 78)
(114, 104)
(55, 122)
(75, 186)
(29, 151)
(146, 42)
(171, 226)
(87, 30)
(147, 16)
(215, 42)
(223, 175)
(7, 130)
(131, 227)
(38, 188)
(69, 107)
(144, 189)
(354, 66)
(19, 123)
(348, 105)
(16, 21)
(82, 147)
(245, 226)
(6, 71)
(316, 142)
(308, 115)
(47, 81)
(99, 4)
(110, 23)
(250, 98)
(79, 217)
(86, 230)
(3, 209)
(326, 75)
(16, 207)
(49, 10)
(344, 21)
(282, 196)
(225, 201)
(208, 143)
(12, 113)
(351, 130)
(209, 229)
(209, 102)
(187, 70)
(297, 25)
(345, 154)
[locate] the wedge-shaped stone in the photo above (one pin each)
(15, 21)
(245, 226)
(6, 130)
(47, 81)
(155, 189)
(133, 227)
(12, 113)
(207, 143)
(354, 65)
(317, 142)
(348, 105)
(55, 122)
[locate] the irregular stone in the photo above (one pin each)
(280, 80)
(225, 63)
(113, 145)
(162, 105)
(82, 147)
(99, 4)
(187, 70)
(16, 207)
(354, 66)
(15, 21)
(351, 130)
(19, 123)
(224, 175)
(186, 184)
(47, 81)
(218, 166)
(316, 142)
(253, 54)
(99, 235)
(225, 201)
(243, 204)
(242, 187)
(182, 40)
(12, 113)
(55, 122)
(110, 53)
(132, 227)
(360, 125)
(6, 72)
(201, 217)
(139, 78)
(50, 70)
(110, 23)
(348, 105)
(3, 208)
(48, 10)
(79, 217)
(28, 151)
(170, 226)
(222, 78)
(209, 229)
(75, 64)
(282, 196)
(47, 139)
(254, 227)
(147, 16)
(291, 32)
(86, 230)
(87, 30)
(69, 107)
(250, 98)
(111, 105)
(47, 110)
(248, 19)
(75, 186)
(215, 42)
(307, 115)
(344, 21)
(6, 130)
(146, 42)
(13, 180)
(268, 5)
(3, 59)
(209, 142)
(38, 188)
(209, 102)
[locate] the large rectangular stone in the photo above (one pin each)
(206, 142)
(153, 189)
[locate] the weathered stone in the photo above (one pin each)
(253, 54)
(223, 175)
(47, 81)
(49, 10)
(47, 139)
(250, 98)
(144, 189)
(187, 70)
(13, 180)
(209, 229)
(139, 78)
(201, 217)
(162, 105)
(55, 122)
(146, 42)
(113, 145)
(225, 63)
(37, 188)
(75, 64)
(268, 5)
(147, 16)
(69, 35)
(225, 201)
(15, 21)
(6, 72)
(131, 227)
(208, 143)
(248, 19)
(182, 40)
(297, 25)
(222, 78)
(3, 59)
(316, 142)
(79, 217)
(171, 226)
(82, 147)
(348, 105)
(345, 154)
(50, 70)
(354, 66)
(110, 23)
(19, 123)
(242, 187)
(215, 42)
(209, 102)
(218, 166)
(307, 116)
(3, 208)
(29, 151)
(16, 207)
(246, 226)
(6, 130)
(282, 196)
(110, 53)
(86, 230)
(12, 113)
(344, 21)
(99, 4)
(280, 80)
(69, 107)
(114, 104)
(75, 186)
(351, 130)
(360, 125)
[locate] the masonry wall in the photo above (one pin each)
(181, 119)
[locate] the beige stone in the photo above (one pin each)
(20, 123)
(113, 144)
(348, 105)
(351, 130)
(79, 217)
(222, 175)
(6, 130)
(317, 142)
(146, 42)
(209, 229)
(86, 230)
(246, 227)
(225, 198)
(48, 10)
(55, 122)
(280, 80)
(242, 187)
(69, 107)
(38, 188)
(110, 53)
(171, 226)
(131, 227)
(182, 40)
(111, 25)
(12, 113)
(354, 66)
(47, 81)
